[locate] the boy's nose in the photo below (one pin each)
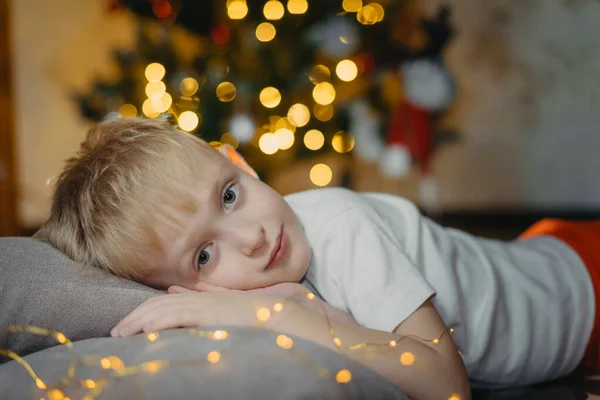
(249, 237)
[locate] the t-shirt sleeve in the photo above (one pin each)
(379, 284)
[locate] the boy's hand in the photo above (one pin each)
(290, 290)
(192, 309)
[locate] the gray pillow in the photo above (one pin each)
(251, 366)
(40, 286)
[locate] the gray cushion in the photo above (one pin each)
(252, 366)
(40, 286)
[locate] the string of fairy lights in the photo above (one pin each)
(115, 368)
(279, 132)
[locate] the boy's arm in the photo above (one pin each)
(420, 369)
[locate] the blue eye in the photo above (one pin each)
(230, 195)
(204, 256)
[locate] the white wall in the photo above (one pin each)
(59, 46)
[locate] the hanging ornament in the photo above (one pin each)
(365, 127)
(427, 83)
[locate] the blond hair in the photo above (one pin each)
(107, 197)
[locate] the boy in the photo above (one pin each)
(150, 203)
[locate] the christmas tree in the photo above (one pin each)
(281, 80)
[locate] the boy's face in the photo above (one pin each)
(244, 235)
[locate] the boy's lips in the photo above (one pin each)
(279, 249)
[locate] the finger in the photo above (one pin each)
(169, 320)
(145, 309)
(178, 289)
(209, 287)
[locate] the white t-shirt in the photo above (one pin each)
(522, 311)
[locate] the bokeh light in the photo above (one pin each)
(268, 143)
(270, 97)
(265, 32)
(263, 314)
(285, 137)
(148, 109)
(237, 9)
(314, 139)
(188, 121)
(367, 15)
(343, 376)
(284, 342)
(323, 113)
(380, 11)
(324, 93)
(273, 10)
(407, 358)
(342, 142)
(230, 139)
(299, 115)
(128, 110)
(297, 6)
(162, 104)
(226, 91)
(155, 90)
(154, 72)
(213, 357)
(189, 86)
(319, 73)
(351, 5)
(346, 70)
(320, 175)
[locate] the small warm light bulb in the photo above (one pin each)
(105, 363)
(88, 383)
(346, 70)
(226, 91)
(343, 376)
(407, 358)
(265, 32)
(270, 97)
(188, 121)
(310, 295)
(237, 9)
(278, 307)
(268, 143)
(213, 357)
(155, 72)
(454, 397)
(115, 362)
(284, 342)
(152, 336)
(56, 394)
(39, 383)
(393, 343)
(436, 341)
(451, 330)
(324, 93)
(220, 335)
(163, 103)
(60, 338)
(285, 137)
(314, 139)
(297, 6)
(263, 314)
(337, 342)
(298, 114)
(273, 10)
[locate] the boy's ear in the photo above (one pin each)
(237, 159)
